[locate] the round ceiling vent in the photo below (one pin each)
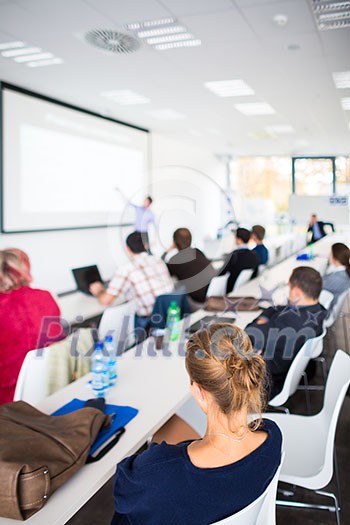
(113, 41)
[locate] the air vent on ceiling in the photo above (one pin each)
(331, 14)
(113, 41)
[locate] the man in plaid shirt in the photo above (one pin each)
(142, 279)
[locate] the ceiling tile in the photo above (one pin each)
(184, 7)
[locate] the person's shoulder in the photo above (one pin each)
(156, 456)
(273, 430)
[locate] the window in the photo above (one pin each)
(313, 176)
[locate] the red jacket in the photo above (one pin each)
(29, 319)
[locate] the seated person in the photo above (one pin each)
(337, 279)
(280, 331)
(142, 279)
(205, 480)
(316, 228)
(29, 318)
(257, 236)
(240, 259)
(190, 265)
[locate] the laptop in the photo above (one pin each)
(85, 276)
(207, 320)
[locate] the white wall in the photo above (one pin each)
(182, 196)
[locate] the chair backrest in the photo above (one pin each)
(338, 381)
(310, 349)
(31, 383)
(326, 298)
(118, 321)
(162, 303)
(261, 268)
(262, 511)
(218, 285)
(336, 309)
(243, 277)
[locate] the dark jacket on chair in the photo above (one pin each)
(240, 259)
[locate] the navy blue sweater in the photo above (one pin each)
(162, 486)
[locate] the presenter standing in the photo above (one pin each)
(144, 217)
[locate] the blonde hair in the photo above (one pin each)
(222, 361)
(14, 269)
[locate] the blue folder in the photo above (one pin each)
(122, 416)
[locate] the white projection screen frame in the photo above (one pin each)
(61, 165)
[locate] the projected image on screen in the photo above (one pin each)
(61, 166)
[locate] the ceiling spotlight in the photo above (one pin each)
(280, 20)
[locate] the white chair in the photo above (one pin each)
(118, 321)
(243, 278)
(261, 269)
(326, 298)
(336, 310)
(31, 383)
(218, 285)
(262, 511)
(296, 372)
(308, 441)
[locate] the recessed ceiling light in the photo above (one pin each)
(345, 103)
(331, 14)
(161, 31)
(42, 63)
(342, 79)
(229, 88)
(150, 23)
(280, 20)
(280, 129)
(125, 97)
(255, 108)
(166, 114)
(22, 51)
(169, 38)
(184, 43)
(11, 45)
(29, 58)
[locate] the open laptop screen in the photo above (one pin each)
(85, 276)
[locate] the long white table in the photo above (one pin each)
(157, 385)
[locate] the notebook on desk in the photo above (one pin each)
(85, 276)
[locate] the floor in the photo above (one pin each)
(99, 509)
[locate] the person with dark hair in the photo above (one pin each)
(337, 280)
(29, 318)
(142, 279)
(240, 259)
(189, 265)
(257, 236)
(144, 216)
(181, 479)
(280, 331)
(316, 228)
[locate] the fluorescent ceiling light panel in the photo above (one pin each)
(280, 129)
(345, 103)
(11, 45)
(42, 63)
(331, 14)
(184, 43)
(19, 52)
(150, 23)
(125, 97)
(169, 38)
(342, 79)
(161, 31)
(229, 88)
(29, 58)
(166, 114)
(255, 108)
(330, 5)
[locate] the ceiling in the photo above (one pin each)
(239, 41)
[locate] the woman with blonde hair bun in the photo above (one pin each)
(29, 318)
(201, 481)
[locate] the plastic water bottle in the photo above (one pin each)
(112, 360)
(99, 369)
(311, 251)
(173, 321)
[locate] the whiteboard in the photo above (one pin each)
(331, 208)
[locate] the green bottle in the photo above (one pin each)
(173, 321)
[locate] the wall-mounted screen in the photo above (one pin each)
(61, 165)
